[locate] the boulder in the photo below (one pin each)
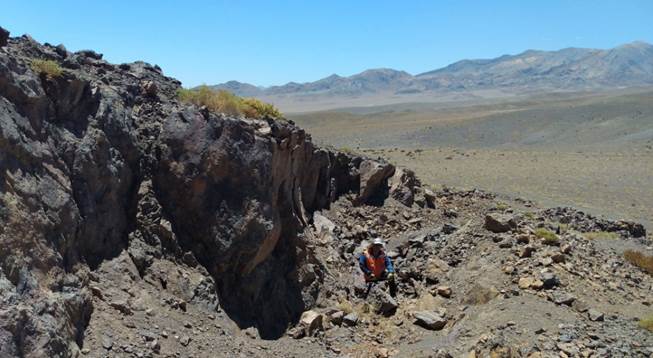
(499, 223)
(312, 322)
(429, 198)
(402, 186)
(381, 301)
(322, 224)
(373, 181)
(429, 320)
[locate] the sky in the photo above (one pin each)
(274, 42)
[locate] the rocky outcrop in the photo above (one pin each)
(103, 160)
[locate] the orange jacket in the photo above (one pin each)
(374, 267)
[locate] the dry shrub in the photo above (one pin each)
(600, 235)
(226, 102)
(480, 295)
(549, 237)
(48, 68)
(640, 260)
(647, 323)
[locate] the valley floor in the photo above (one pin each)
(593, 152)
(615, 184)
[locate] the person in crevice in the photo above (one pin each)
(377, 266)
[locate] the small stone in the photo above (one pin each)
(188, 324)
(550, 280)
(185, 340)
(508, 269)
(121, 306)
(156, 346)
(525, 282)
(527, 251)
(547, 261)
(85, 351)
(350, 319)
(336, 317)
(561, 298)
(429, 320)
(565, 249)
(107, 343)
(558, 258)
(444, 291)
(595, 315)
(579, 306)
(537, 284)
(449, 228)
(523, 239)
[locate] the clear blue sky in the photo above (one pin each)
(273, 42)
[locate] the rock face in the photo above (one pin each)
(104, 160)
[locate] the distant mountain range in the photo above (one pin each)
(629, 65)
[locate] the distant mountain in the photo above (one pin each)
(567, 69)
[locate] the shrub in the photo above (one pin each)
(260, 109)
(640, 260)
(647, 323)
(596, 235)
(549, 237)
(48, 68)
(226, 102)
(529, 215)
(501, 206)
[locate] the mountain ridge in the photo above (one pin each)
(570, 68)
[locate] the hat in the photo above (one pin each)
(378, 241)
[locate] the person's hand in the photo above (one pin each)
(391, 276)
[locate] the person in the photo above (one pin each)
(375, 264)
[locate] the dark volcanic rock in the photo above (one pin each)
(4, 35)
(499, 223)
(103, 160)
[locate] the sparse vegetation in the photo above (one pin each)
(600, 235)
(501, 206)
(529, 215)
(347, 150)
(228, 103)
(640, 260)
(647, 323)
(549, 237)
(48, 68)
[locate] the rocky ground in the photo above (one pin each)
(134, 225)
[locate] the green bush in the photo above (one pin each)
(600, 235)
(549, 237)
(226, 102)
(647, 323)
(48, 68)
